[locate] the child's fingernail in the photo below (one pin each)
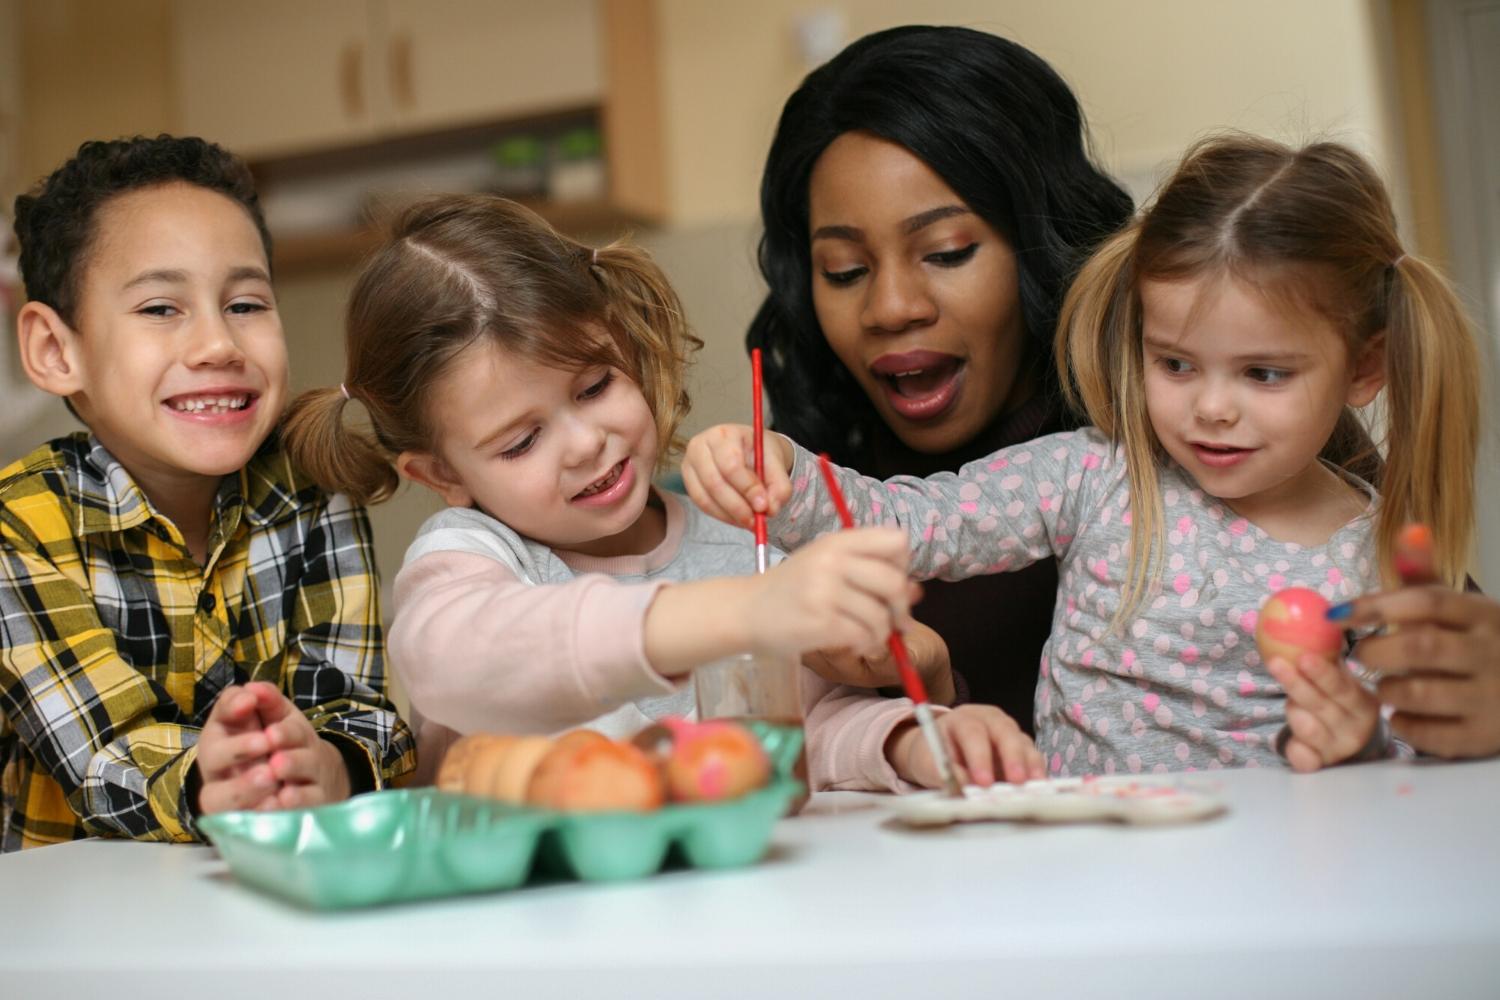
(1340, 612)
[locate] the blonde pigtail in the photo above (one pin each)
(1098, 353)
(338, 459)
(1432, 385)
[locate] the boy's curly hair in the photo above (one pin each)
(55, 222)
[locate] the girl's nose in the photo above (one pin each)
(1215, 403)
(898, 298)
(585, 439)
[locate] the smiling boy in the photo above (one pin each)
(189, 625)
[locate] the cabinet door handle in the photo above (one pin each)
(403, 88)
(351, 61)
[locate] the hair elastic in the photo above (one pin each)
(343, 390)
(595, 259)
(1397, 262)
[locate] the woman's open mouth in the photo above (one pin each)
(920, 385)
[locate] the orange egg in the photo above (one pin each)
(1294, 621)
(580, 737)
(715, 760)
(504, 773)
(453, 773)
(596, 775)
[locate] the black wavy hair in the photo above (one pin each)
(998, 125)
(55, 223)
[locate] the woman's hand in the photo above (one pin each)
(984, 743)
(1330, 714)
(718, 469)
(1439, 666)
(844, 590)
(929, 654)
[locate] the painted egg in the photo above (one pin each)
(1294, 621)
(715, 760)
(1414, 557)
(589, 774)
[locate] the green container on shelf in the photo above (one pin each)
(520, 166)
(398, 845)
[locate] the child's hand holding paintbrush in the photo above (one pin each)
(718, 470)
(1438, 656)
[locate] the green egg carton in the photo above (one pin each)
(400, 845)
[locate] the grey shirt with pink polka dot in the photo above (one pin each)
(1180, 686)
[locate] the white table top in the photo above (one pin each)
(1368, 881)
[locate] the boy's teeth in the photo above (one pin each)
(211, 404)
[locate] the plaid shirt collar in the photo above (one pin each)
(107, 498)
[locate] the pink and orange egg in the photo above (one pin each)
(1294, 621)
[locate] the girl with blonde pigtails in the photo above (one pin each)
(1220, 346)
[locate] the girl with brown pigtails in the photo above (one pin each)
(535, 384)
(1219, 345)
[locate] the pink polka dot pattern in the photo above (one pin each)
(1179, 687)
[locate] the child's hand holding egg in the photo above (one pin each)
(1331, 718)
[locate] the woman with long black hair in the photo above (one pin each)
(926, 201)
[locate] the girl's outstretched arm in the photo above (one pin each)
(998, 513)
(478, 648)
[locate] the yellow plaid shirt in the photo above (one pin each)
(116, 641)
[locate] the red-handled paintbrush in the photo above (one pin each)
(762, 552)
(911, 681)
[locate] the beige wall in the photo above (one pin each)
(1152, 75)
(93, 69)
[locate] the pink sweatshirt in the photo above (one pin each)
(494, 632)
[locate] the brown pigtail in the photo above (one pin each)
(337, 458)
(643, 308)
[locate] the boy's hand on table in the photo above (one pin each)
(234, 752)
(310, 770)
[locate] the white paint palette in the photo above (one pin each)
(1064, 800)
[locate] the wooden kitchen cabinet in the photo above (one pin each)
(276, 75)
(459, 61)
(286, 76)
(351, 89)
